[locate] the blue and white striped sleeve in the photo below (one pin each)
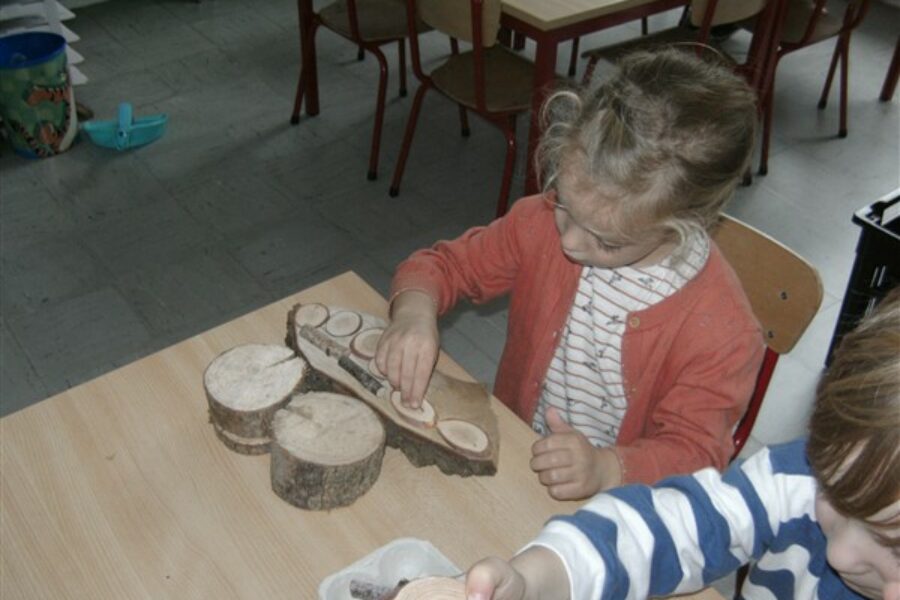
(683, 533)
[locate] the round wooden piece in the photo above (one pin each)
(365, 342)
(326, 450)
(313, 314)
(343, 323)
(433, 588)
(464, 436)
(245, 386)
(375, 371)
(424, 416)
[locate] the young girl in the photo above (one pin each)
(630, 343)
(816, 519)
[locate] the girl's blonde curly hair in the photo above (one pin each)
(667, 138)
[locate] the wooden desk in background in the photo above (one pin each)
(119, 488)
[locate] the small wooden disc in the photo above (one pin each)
(343, 323)
(313, 314)
(365, 342)
(464, 436)
(374, 370)
(424, 416)
(433, 588)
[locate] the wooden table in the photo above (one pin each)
(549, 22)
(118, 488)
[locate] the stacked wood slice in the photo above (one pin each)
(245, 386)
(454, 428)
(326, 450)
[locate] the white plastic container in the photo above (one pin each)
(404, 558)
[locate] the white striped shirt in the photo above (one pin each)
(584, 381)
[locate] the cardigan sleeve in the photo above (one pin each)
(690, 426)
(685, 532)
(479, 265)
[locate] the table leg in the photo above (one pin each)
(544, 74)
(308, 56)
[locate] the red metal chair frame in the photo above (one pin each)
(505, 121)
(309, 59)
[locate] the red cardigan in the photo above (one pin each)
(689, 362)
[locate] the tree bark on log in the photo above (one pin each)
(326, 450)
(245, 386)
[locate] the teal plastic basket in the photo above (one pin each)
(126, 132)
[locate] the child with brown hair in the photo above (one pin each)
(630, 343)
(816, 518)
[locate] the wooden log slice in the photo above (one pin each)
(326, 450)
(464, 436)
(365, 342)
(311, 314)
(245, 386)
(424, 416)
(343, 323)
(433, 588)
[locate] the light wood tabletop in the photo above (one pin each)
(118, 488)
(554, 14)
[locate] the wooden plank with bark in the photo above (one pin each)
(421, 437)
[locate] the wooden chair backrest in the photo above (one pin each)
(724, 11)
(783, 288)
(454, 18)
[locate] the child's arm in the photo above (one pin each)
(685, 532)
(409, 346)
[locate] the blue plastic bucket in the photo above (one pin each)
(36, 99)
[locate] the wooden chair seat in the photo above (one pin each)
(509, 74)
(796, 20)
(379, 20)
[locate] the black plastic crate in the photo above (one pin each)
(877, 266)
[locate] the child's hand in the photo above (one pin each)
(408, 348)
(494, 579)
(535, 574)
(569, 465)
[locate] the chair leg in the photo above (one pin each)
(407, 139)
(835, 56)
(301, 79)
(766, 132)
(573, 59)
(379, 112)
(510, 163)
(644, 26)
(589, 70)
(845, 74)
(464, 122)
(890, 79)
(401, 54)
(360, 53)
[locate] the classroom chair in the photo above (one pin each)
(694, 33)
(809, 22)
(785, 293)
(487, 79)
(369, 24)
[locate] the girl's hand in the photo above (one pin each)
(569, 465)
(408, 348)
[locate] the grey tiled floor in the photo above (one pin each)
(109, 256)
